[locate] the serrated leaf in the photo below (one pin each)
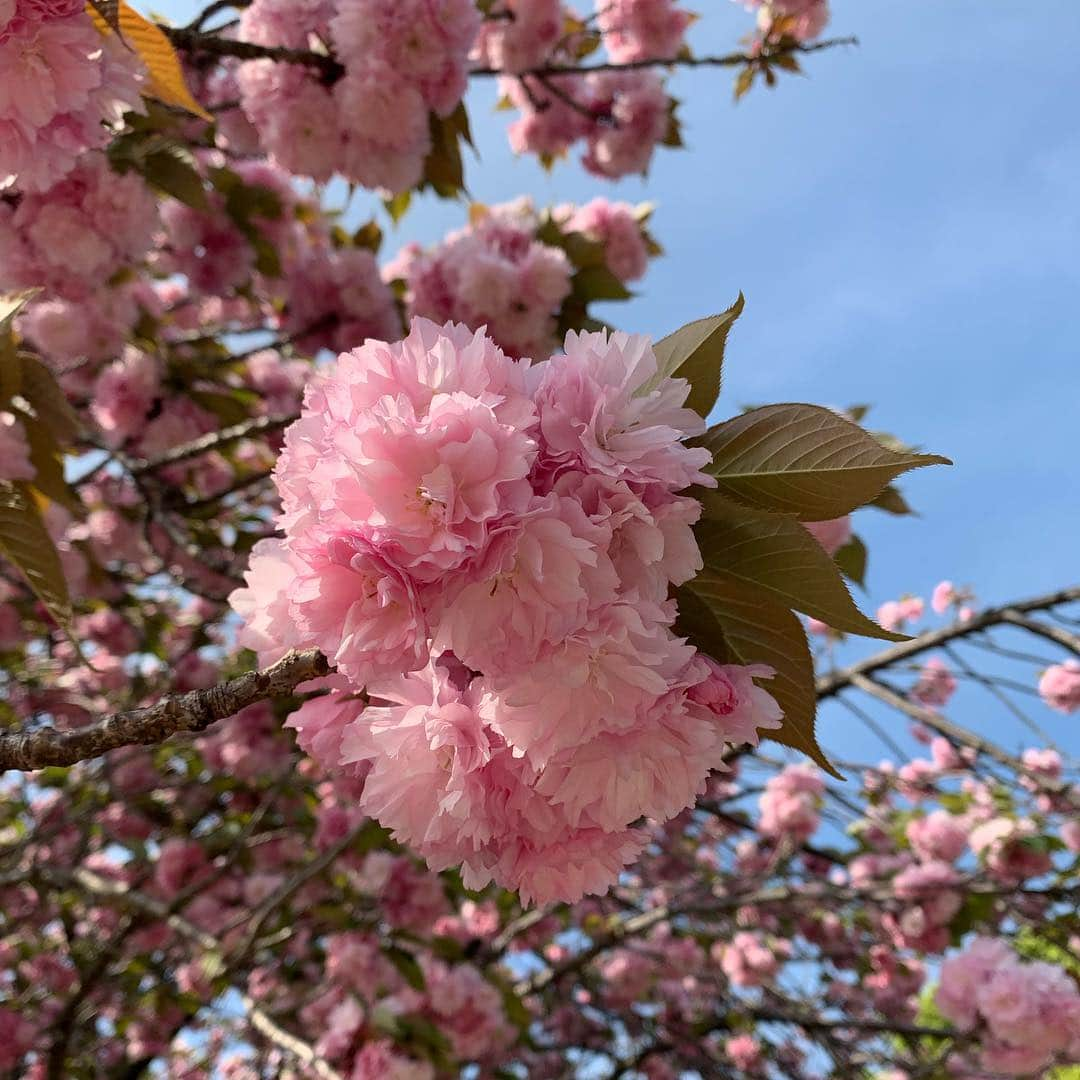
(50, 404)
(803, 460)
(171, 171)
(26, 544)
(759, 631)
(775, 555)
(852, 559)
(149, 42)
(891, 501)
(599, 283)
(695, 352)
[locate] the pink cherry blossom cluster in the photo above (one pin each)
(803, 20)
(1059, 686)
(485, 549)
(492, 273)
(620, 116)
(641, 29)
(402, 59)
(1026, 1014)
(497, 273)
(63, 85)
(73, 237)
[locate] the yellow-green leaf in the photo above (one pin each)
(25, 542)
(48, 462)
(803, 460)
(50, 405)
(758, 630)
(695, 352)
(775, 555)
(149, 42)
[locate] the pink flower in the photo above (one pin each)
(62, 79)
(638, 109)
(263, 604)
(831, 535)
(15, 463)
(494, 273)
(936, 684)
(523, 41)
(426, 44)
(594, 417)
(124, 394)
(894, 614)
(616, 227)
(943, 597)
(790, 804)
(641, 29)
(359, 609)
(938, 836)
(1059, 686)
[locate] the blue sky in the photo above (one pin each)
(905, 226)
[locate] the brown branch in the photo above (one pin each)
(190, 712)
(828, 685)
(260, 1020)
(1059, 635)
(197, 42)
(212, 440)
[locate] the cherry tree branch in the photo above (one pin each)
(1006, 614)
(212, 440)
(194, 40)
(193, 711)
(260, 1020)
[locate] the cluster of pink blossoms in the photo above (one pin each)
(72, 238)
(496, 273)
(402, 59)
(1059, 686)
(1027, 1014)
(800, 19)
(62, 84)
(486, 548)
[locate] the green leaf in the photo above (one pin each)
(599, 283)
(891, 501)
(26, 543)
(41, 390)
(172, 171)
(48, 462)
(803, 460)
(852, 559)
(369, 236)
(406, 965)
(758, 630)
(774, 555)
(744, 80)
(397, 205)
(695, 352)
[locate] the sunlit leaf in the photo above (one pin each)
(695, 352)
(776, 555)
(26, 544)
(165, 75)
(804, 460)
